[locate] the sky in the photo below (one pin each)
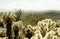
(30, 4)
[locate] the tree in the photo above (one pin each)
(18, 14)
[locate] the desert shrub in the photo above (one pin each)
(45, 29)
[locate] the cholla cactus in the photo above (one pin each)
(29, 32)
(9, 15)
(8, 19)
(37, 35)
(46, 29)
(18, 26)
(46, 26)
(58, 31)
(47, 23)
(3, 32)
(3, 37)
(54, 37)
(30, 27)
(1, 23)
(58, 23)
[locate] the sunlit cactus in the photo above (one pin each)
(9, 15)
(1, 23)
(55, 37)
(17, 29)
(19, 24)
(8, 19)
(45, 29)
(3, 32)
(58, 31)
(46, 26)
(3, 37)
(29, 32)
(37, 35)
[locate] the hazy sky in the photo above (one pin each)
(30, 4)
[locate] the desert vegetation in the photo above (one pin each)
(40, 26)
